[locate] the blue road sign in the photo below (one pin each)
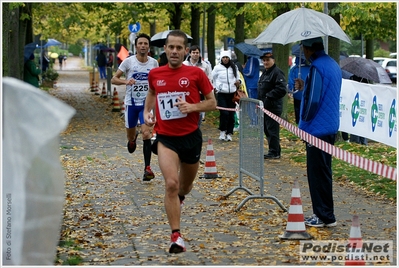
(135, 27)
(230, 42)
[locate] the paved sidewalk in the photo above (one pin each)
(117, 219)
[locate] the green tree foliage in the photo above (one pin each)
(77, 22)
(371, 20)
(374, 20)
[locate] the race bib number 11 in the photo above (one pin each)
(166, 102)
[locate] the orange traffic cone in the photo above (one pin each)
(93, 86)
(103, 92)
(355, 254)
(114, 95)
(296, 221)
(97, 91)
(123, 109)
(210, 164)
(115, 101)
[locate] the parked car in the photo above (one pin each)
(389, 65)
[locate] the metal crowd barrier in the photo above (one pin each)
(251, 149)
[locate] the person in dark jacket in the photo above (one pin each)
(102, 63)
(45, 62)
(163, 60)
(272, 87)
(31, 72)
(60, 60)
(319, 117)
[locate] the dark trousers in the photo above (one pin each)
(345, 136)
(252, 93)
(358, 139)
(226, 120)
(103, 74)
(320, 180)
(272, 131)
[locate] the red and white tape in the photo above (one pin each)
(357, 161)
(227, 109)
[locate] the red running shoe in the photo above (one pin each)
(176, 243)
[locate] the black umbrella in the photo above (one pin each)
(365, 68)
(28, 50)
(100, 47)
(108, 49)
(249, 50)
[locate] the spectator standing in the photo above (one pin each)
(320, 117)
(136, 69)
(102, 63)
(110, 62)
(272, 87)
(195, 59)
(234, 59)
(45, 62)
(174, 96)
(226, 80)
(31, 72)
(251, 76)
(60, 60)
(305, 67)
(163, 60)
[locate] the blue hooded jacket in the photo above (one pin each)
(320, 101)
(251, 72)
(294, 74)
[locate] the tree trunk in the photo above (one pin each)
(14, 37)
(27, 25)
(211, 11)
(239, 34)
(369, 48)
(281, 54)
(195, 24)
(176, 15)
(334, 46)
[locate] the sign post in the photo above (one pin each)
(133, 28)
(229, 43)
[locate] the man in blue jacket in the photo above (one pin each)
(320, 117)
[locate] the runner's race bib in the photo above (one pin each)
(139, 92)
(166, 102)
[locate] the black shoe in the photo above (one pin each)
(148, 174)
(271, 156)
(131, 146)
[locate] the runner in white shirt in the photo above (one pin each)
(136, 69)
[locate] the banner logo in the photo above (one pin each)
(392, 117)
